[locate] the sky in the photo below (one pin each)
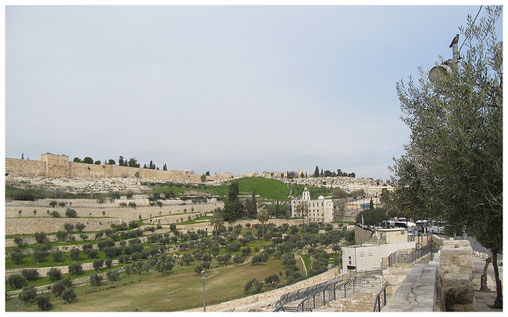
(219, 88)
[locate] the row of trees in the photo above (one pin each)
(328, 173)
(132, 162)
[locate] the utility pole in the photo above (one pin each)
(204, 296)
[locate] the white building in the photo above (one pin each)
(367, 257)
(320, 210)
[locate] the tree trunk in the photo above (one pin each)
(483, 279)
(499, 298)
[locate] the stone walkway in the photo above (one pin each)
(487, 298)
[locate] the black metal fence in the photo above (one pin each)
(380, 299)
(396, 257)
(305, 292)
(320, 295)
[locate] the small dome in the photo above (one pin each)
(321, 197)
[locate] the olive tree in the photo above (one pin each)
(452, 167)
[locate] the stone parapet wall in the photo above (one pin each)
(456, 275)
(418, 292)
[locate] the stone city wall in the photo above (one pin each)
(51, 166)
(25, 168)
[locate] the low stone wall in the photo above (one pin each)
(38, 224)
(43, 271)
(418, 292)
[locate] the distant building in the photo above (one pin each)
(320, 210)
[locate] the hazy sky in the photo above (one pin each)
(219, 88)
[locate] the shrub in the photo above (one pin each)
(68, 227)
(59, 287)
(97, 264)
(198, 269)
(95, 280)
(68, 295)
(39, 254)
(19, 241)
(272, 279)
(30, 274)
(187, 259)
(238, 259)
(28, 294)
(16, 280)
(75, 269)
(223, 259)
(122, 204)
(52, 203)
(129, 195)
(55, 214)
(43, 302)
(132, 204)
(62, 235)
(113, 275)
(57, 255)
(16, 256)
(253, 287)
(74, 254)
(71, 213)
(80, 226)
(41, 237)
(54, 274)
(61, 204)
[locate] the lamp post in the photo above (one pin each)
(204, 297)
(439, 72)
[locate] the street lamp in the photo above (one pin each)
(204, 297)
(439, 72)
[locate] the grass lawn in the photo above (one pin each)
(266, 188)
(155, 292)
(46, 281)
(195, 220)
(308, 262)
(315, 192)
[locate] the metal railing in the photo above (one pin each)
(324, 293)
(305, 292)
(408, 258)
(380, 300)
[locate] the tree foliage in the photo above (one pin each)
(452, 167)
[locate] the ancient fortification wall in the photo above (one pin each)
(52, 166)
(25, 168)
